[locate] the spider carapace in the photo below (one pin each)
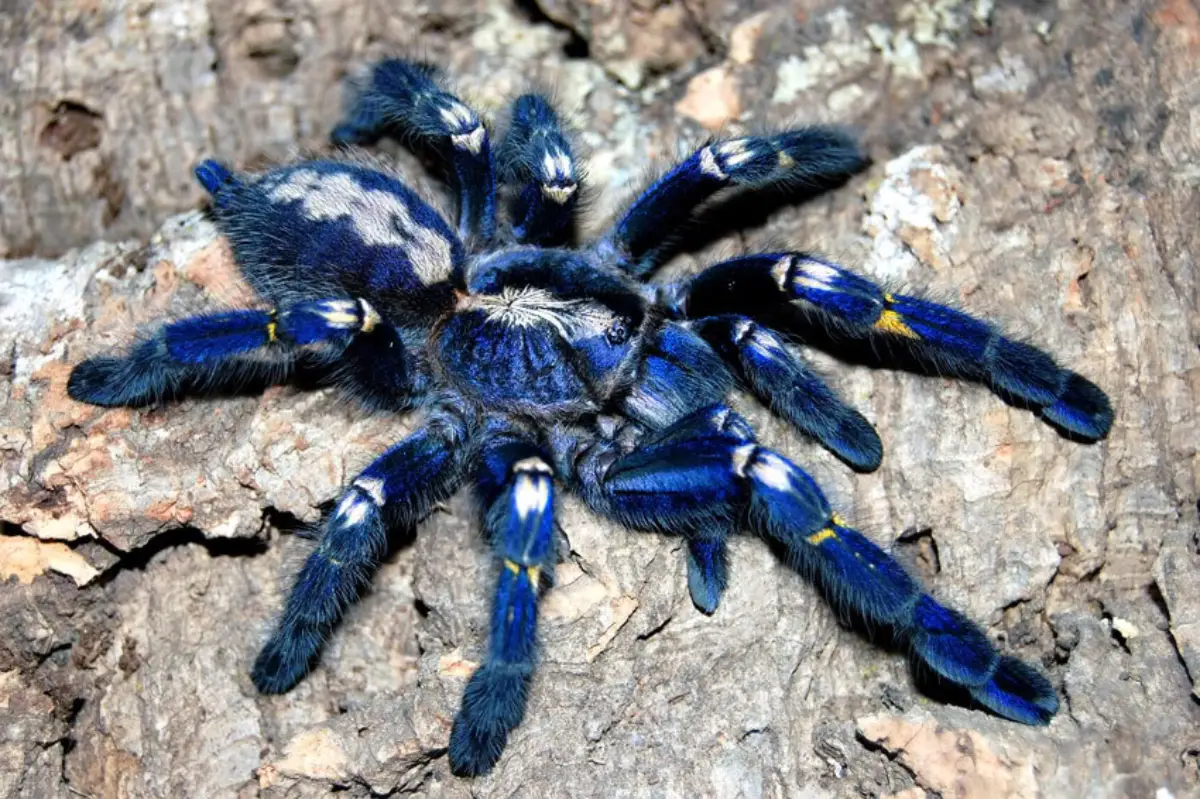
(542, 366)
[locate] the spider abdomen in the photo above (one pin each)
(321, 228)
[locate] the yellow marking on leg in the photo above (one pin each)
(837, 519)
(786, 161)
(821, 536)
(534, 572)
(891, 322)
(271, 326)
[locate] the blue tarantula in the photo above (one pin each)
(540, 366)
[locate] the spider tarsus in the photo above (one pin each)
(493, 705)
(1082, 411)
(707, 572)
(1018, 692)
(286, 660)
(135, 380)
(97, 381)
(857, 443)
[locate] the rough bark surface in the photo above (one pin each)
(1035, 162)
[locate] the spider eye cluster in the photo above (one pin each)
(618, 331)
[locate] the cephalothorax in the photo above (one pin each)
(540, 366)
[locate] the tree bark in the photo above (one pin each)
(1035, 164)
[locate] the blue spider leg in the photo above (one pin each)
(535, 157)
(860, 578)
(707, 556)
(148, 375)
(777, 376)
(203, 351)
(677, 373)
(393, 493)
(708, 568)
(380, 370)
(517, 485)
(813, 156)
(215, 336)
(850, 307)
(404, 97)
(704, 510)
(708, 480)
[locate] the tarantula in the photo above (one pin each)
(541, 366)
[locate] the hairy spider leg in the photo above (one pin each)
(707, 556)
(393, 493)
(709, 479)
(677, 389)
(678, 373)
(206, 352)
(202, 352)
(215, 336)
(316, 229)
(403, 98)
(859, 578)
(776, 374)
(148, 374)
(814, 156)
(667, 485)
(535, 158)
(848, 307)
(517, 485)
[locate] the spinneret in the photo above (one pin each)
(540, 366)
